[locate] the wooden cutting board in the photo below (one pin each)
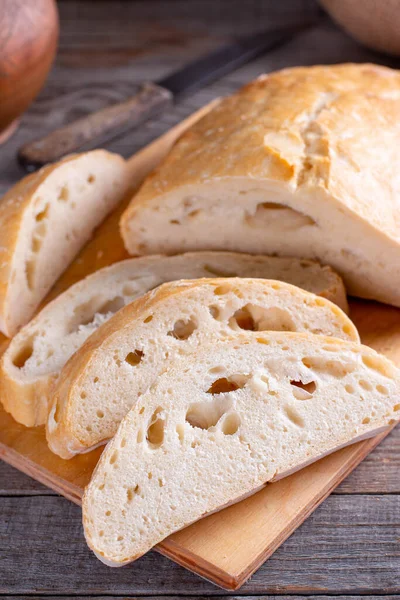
(226, 547)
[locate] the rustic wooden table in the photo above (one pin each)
(351, 545)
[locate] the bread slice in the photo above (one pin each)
(38, 352)
(301, 162)
(45, 220)
(222, 422)
(117, 363)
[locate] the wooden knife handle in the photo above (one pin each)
(149, 101)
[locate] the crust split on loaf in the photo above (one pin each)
(301, 162)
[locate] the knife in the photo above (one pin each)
(150, 100)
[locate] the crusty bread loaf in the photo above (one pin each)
(38, 352)
(119, 361)
(302, 162)
(223, 421)
(44, 221)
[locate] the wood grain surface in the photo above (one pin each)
(350, 546)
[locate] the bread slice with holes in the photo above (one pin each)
(36, 355)
(222, 422)
(45, 219)
(301, 162)
(117, 363)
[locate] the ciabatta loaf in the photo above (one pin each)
(302, 162)
(45, 220)
(38, 352)
(120, 360)
(222, 422)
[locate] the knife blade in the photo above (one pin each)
(150, 100)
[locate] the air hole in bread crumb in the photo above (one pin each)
(263, 341)
(108, 513)
(366, 421)
(243, 319)
(100, 414)
(85, 313)
(23, 355)
(140, 436)
(335, 368)
(349, 388)
(155, 430)
(221, 386)
(214, 311)
(160, 482)
(230, 424)
(180, 430)
(30, 267)
(303, 391)
(111, 306)
(42, 214)
(175, 222)
(270, 213)
(328, 348)
(131, 492)
(294, 416)
(396, 407)
(148, 319)
(114, 457)
(228, 384)
(134, 358)
(120, 538)
(63, 194)
(221, 290)
(382, 389)
(376, 364)
(101, 533)
(182, 329)
(217, 369)
(83, 395)
(365, 385)
(95, 380)
(91, 178)
(129, 289)
(204, 415)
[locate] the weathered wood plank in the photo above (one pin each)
(378, 473)
(217, 597)
(350, 545)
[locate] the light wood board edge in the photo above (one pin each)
(347, 458)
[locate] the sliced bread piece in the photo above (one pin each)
(301, 162)
(119, 361)
(45, 220)
(222, 422)
(39, 351)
